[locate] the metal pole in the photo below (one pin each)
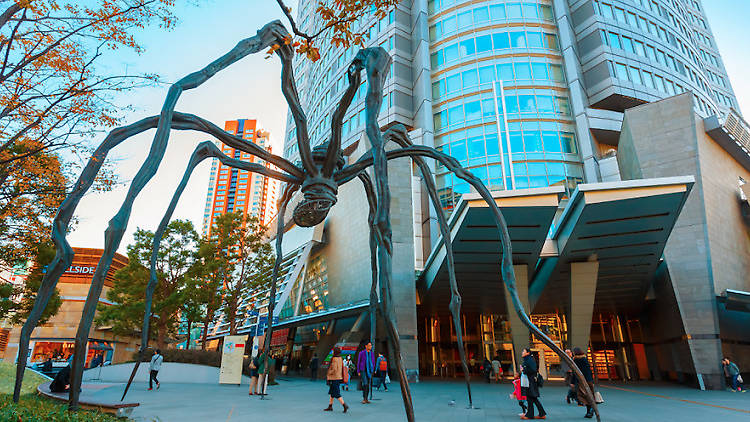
(507, 136)
(499, 133)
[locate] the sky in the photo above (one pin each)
(251, 89)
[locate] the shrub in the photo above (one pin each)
(194, 356)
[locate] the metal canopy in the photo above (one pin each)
(623, 225)
(476, 246)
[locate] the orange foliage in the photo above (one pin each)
(340, 21)
(53, 97)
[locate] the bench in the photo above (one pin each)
(120, 410)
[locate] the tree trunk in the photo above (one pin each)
(205, 330)
(187, 343)
(161, 335)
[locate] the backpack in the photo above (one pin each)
(383, 366)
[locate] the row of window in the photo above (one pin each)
(511, 73)
(647, 26)
(479, 145)
(494, 13)
(654, 81)
(516, 107)
(495, 41)
(631, 45)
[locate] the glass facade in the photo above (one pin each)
(500, 99)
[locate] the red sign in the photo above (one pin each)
(279, 337)
(239, 345)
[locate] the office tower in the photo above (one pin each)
(544, 100)
(551, 77)
(233, 190)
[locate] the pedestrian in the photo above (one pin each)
(487, 369)
(382, 366)
(154, 367)
(314, 367)
(732, 371)
(254, 364)
(365, 370)
(347, 367)
(530, 369)
(569, 380)
(518, 395)
(336, 375)
(582, 362)
(497, 368)
(285, 365)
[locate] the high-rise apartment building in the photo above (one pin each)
(233, 190)
(536, 98)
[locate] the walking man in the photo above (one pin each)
(314, 367)
(733, 372)
(365, 369)
(154, 368)
(531, 370)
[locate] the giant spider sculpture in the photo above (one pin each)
(322, 171)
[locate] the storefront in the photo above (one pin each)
(55, 339)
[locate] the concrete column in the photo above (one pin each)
(518, 331)
(583, 277)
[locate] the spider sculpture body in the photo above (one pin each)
(318, 178)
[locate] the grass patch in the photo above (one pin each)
(31, 380)
(35, 408)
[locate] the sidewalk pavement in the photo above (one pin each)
(297, 399)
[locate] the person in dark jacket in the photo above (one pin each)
(582, 362)
(530, 369)
(61, 383)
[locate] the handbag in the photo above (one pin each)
(539, 380)
(739, 379)
(524, 380)
(388, 379)
(598, 397)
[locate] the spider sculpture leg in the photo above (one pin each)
(377, 63)
(283, 202)
(508, 276)
(374, 301)
(399, 136)
(203, 151)
(117, 225)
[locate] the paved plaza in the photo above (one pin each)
(297, 399)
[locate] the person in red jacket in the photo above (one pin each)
(517, 394)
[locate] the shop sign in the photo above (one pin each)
(279, 337)
(81, 269)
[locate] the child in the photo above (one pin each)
(516, 394)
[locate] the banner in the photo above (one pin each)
(231, 360)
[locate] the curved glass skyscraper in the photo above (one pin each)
(500, 98)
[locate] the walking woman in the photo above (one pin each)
(336, 375)
(531, 370)
(579, 357)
